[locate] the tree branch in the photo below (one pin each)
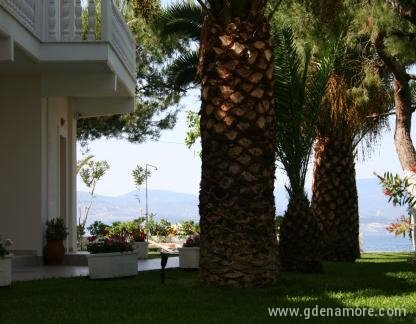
(394, 66)
(407, 12)
(381, 115)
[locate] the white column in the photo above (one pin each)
(51, 26)
(91, 20)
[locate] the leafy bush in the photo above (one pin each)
(56, 230)
(187, 228)
(110, 244)
(126, 228)
(4, 247)
(98, 228)
(160, 228)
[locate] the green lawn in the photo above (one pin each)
(377, 280)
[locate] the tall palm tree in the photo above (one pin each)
(237, 208)
(299, 88)
(355, 92)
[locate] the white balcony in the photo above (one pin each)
(50, 38)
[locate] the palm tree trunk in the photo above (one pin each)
(299, 241)
(237, 208)
(335, 200)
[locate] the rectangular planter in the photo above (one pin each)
(112, 265)
(142, 249)
(6, 270)
(189, 257)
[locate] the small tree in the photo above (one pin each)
(91, 172)
(140, 174)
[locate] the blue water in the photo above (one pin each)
(386, 243)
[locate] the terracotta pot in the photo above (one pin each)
(54, 252)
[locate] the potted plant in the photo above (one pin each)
(189, 253)
(5, 263)
(140, 245)
(56, 233)
(111, 257)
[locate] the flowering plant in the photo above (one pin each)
(138, 235)
(400, 193)
(4, 247)
(192, 241)
(110, 244)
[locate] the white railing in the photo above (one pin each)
(62, 21)
(25, 11)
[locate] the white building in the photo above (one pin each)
(49, 78)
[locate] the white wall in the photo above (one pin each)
(31, 127)
(20, 162)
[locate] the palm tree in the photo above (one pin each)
(237, 208)
(298, 92)
(355, 92)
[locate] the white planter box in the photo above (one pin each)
(189, 257)
(112, 265)
(6, 270)
(142, 249)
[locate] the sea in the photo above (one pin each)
(385, 243)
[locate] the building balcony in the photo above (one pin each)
(80, 50)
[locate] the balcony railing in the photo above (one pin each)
(62, 21)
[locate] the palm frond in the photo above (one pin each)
(300, 85)
(182, 71)
(183, 19)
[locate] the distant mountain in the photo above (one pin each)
(375, 212)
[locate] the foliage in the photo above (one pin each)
(91, 172)
(184, 22)
(56, 230)
(192, 241)
(110, 244)
(156, 98)
(126, 228)
(187, 228)
(397, 189)
(194, 128)
(5, 247)
(402, 226)
(98, 228)
(399, 192)
(158, 228)
(299, 88)
(140, 174)
(138, 235)
(161, 228)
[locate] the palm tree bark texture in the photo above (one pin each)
(300, 241)
(237, 208)
(335, 199)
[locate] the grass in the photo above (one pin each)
(377, 280)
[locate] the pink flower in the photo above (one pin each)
(387, 192)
